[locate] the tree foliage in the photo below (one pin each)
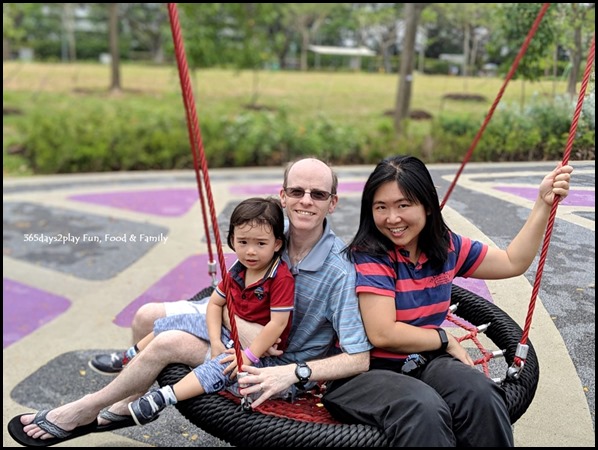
(516, 20)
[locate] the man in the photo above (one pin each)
(326, 313)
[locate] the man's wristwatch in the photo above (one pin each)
(443, 339)
(302, 372)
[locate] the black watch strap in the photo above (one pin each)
(443, 339)
(302, 372)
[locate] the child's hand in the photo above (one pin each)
(232, 367)
(273, 351)
(217, 349)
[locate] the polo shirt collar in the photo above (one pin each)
(318, 254)
(237, 268)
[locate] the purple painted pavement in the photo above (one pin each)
(182, 282)
(176, 202)
(191, 276)
(273, 189)
(25, 309)
(351, 186)
(474, 285)
(159, 202)
(575, 198)
(255, 189)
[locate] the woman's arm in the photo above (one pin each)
(384, 331)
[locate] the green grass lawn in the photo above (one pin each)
(358, 100)
(354, 97)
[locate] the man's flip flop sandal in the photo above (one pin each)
(15, 429)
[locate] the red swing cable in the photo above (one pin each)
(522, 347)
(473, 331)
(510, 74)
(194, 136)
(199, 153)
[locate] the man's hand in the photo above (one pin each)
(267, 381)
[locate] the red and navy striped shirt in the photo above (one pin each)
(422, 294)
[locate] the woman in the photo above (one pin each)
(421, 388)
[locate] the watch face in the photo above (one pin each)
(303, 372)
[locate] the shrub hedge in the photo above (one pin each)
(99, 135)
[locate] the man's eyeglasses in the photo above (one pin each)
(315, 194)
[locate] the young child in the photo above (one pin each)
(262, 290)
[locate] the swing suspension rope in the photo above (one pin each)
(199, 159)
(193, 130)
(510, 74)
(472, 332)
(521, 353)
(522, 347)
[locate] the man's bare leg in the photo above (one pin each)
(143, 324)
(143, 321)
(167, 348)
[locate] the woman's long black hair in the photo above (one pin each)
(415, 182)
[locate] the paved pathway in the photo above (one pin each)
(83, 252)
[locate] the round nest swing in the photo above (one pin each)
(307, 424)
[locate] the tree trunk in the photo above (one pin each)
(284, 50)
(304, 45)
(555, 68)
(5, 49)
(575, 63)
(412, 14)
(466, 44)
(68, 18)
(158, 51)
(114, 51)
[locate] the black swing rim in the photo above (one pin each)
(226, 420)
